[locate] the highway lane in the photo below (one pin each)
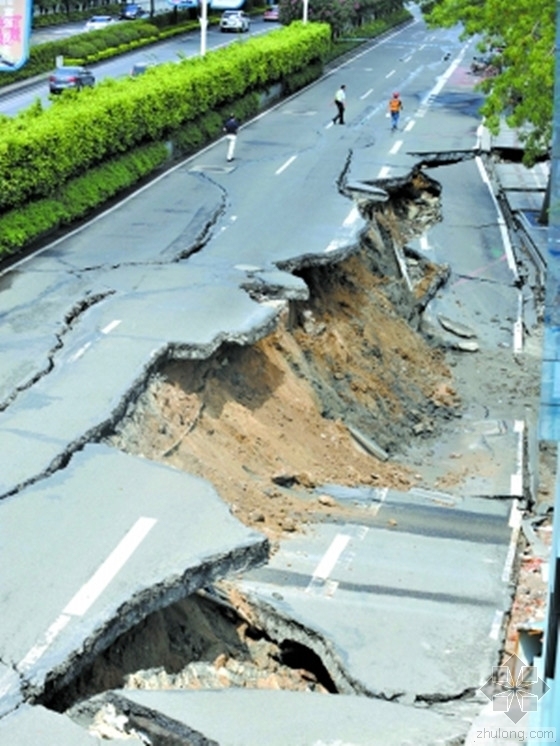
(187, 45)
(113, 296)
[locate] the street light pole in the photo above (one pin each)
(305, 10)
(203, 26)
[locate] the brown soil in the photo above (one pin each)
(267, 424)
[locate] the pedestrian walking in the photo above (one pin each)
(395, 108)
(340, 102)
(231, 125)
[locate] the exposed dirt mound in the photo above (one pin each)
(267, 424)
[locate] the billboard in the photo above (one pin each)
(15, 30)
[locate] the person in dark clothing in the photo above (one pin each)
(231, 126)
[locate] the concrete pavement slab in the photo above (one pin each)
(113, 538)
(281, 718)
(356, 594)
(37, 725)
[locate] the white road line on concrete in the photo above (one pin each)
(409, 125)
(366, 94)
(376, 507)
(545, 571)
(91, 590)
(396, 147)
(518, 325)
(38, 650)
(514, 523)
(516, 480)
(111, 325)
(346, 232)
(80, 352)
(285, 165)
(383, 172)
(430, 96)
(501, 220)
(390, 74)
(424, 243)
(496, 624)
(331, 557)
(407, 59)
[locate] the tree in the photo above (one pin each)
(520, 37)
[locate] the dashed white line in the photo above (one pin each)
(396, 147)
(91, 590)
(366, 94)
(389, 75)
(516, 481)
(110, 326)
(331, 557)
(284, 166)
(383, 172)
(424, 243)
(496, 625)
(80, 352)
(409, 125)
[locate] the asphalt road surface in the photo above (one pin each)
(93, 538)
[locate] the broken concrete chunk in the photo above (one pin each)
(455, 327)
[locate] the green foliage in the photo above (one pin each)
(77, 198)
(83, 129)
(341, 15)
(521, 38)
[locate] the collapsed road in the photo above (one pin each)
(264, 433)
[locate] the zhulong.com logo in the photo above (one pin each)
(514, 689)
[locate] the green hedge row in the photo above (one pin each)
(43, 149)
(76, 199)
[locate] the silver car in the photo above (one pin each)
(234, 20)
(64, 78)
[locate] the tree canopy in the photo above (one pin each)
(520, 38)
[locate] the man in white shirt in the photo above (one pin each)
(340, 102)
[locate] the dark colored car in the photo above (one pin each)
(272, 13)
(132, 11)
(64, 78)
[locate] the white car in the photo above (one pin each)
(234, 20)
(98, 22)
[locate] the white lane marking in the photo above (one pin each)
(80, 352)
(409, 125)
(38, 650)
(496, 624)
(390, 74)
(396, 147)
(501, 221)
(407, 59)
(91, 590)
(516, 480)
(518, 325)
(376, 507)
(285, 165)
(514, 523)
(331, 557)
(425, 103)
(111, 325)
(424, 243)
(383, 172)
(347, 231)
(366, 94)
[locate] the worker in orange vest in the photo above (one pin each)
(395, 108)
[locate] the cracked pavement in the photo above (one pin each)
(202, 257)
